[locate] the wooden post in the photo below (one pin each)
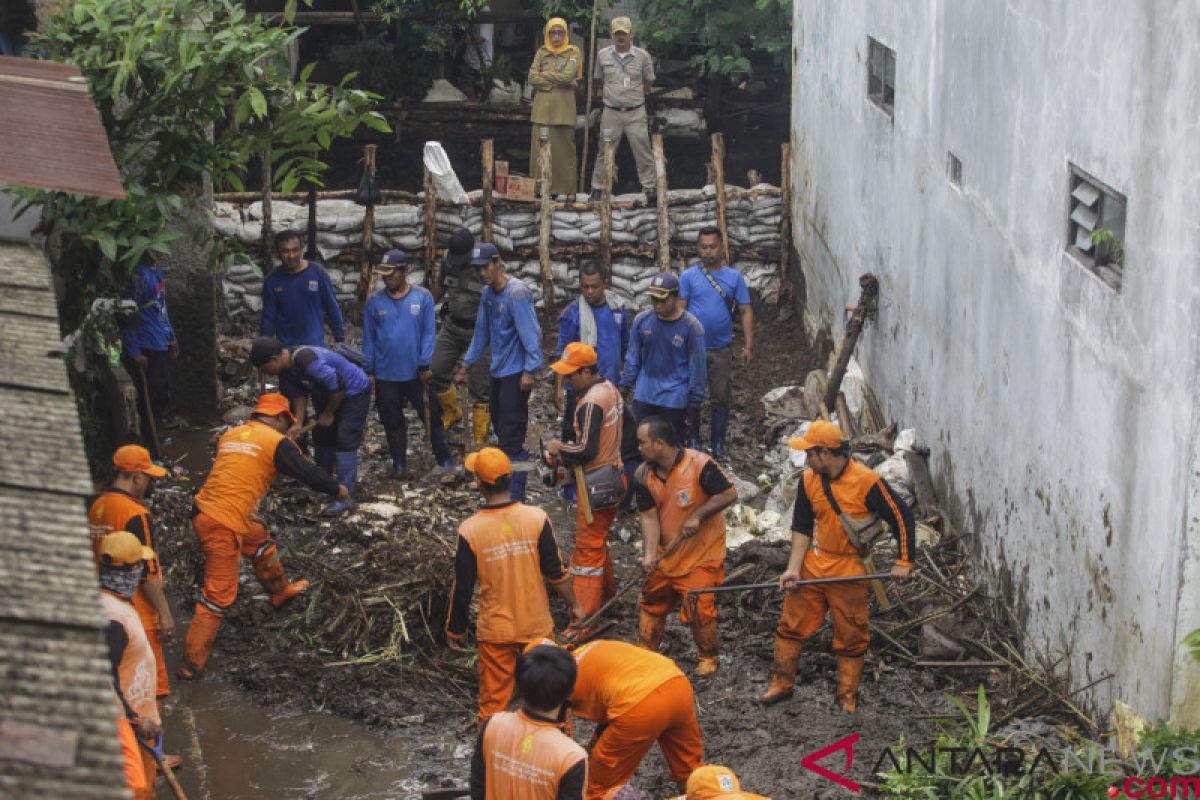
(785, 223)
(587, 106)
(718, 160)
(368, 236)
(606, 206)
(311, 253)
(664, 219)
(868, 301)
(547, 221)
(487, 149)
(430, 229)
(268, 235)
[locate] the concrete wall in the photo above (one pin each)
(1061, 414)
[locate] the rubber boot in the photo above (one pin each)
(516, 487)
(718, 425)
(650, 631)
(708, 646)
(199, 642)
(274, 580)
(440, 443)
(481, 420)
(448, 398)
(783, 675)
(347, 474)
(849, 674)
(397, 442)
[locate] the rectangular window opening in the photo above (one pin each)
(881, 76)
(954, 169)
(1096, 227)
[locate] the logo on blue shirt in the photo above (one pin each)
(312, 286)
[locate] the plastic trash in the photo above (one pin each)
(445, 181)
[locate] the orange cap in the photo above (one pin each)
(820, 434)
(489, 464)
(135, 458)
(575, 357)
(711, 781)
(274, 404)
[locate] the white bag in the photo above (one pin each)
(445, 182)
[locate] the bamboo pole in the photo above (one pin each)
(587, 113)
(368, 243)
(430, 228)
(487, 150)
(311, 253)
(867, 302)
(606, 206)
(547, 220)
(718, 160)
(664, 217)
(268, 246)
(785, 221)
(731, 193)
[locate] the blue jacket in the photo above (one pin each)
(398, 334)
(508, 323)
(153, 330)
(709, 307)
(612, 335)
(293, 305)
(665, 362)
(319, 372)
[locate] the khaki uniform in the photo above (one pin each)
(554, 112)
(624, 115)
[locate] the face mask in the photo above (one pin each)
(123, 582)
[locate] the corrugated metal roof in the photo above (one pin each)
(57, 705)
(51, 136)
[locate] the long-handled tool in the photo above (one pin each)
(162, 766)
(468, 423)
(746, 587)
(149, 412)
(877, 584)
(581, 495)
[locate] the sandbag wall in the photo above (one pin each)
(753, 223)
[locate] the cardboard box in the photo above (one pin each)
(521, 188)
(501, 182)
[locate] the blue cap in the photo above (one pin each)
(483, 253)
(663, 285)
(391, 260)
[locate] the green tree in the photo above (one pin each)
(720, 33)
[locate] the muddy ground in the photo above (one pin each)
(366, 644)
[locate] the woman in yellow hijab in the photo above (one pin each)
(554, 76)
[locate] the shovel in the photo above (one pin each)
(163, 768)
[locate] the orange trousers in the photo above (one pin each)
(497, 675)
(804, 611)
(154, 636)
(150, 766)
(666, 715)
(591, 563)
(661, 594)
(131, 752)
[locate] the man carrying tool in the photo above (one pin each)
(508, 324)
(833, 486)
(123, 560)
(225, 522)
(341, 394)
(149, 345)
(635, 698)
(522, 755)
(665, 363)
(713, 292)
(681, 495)
(121, 507)
(595, 458)
(458, 288)
(509, 548)
(628, 75)
(398, 336)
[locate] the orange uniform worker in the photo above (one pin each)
(832, 484)
(522, 755)
(599, 419)
(713, 782)
(122, 561)
(225, 522)
(680, 494)
(636, 698)
(510, 549)
(121, 507)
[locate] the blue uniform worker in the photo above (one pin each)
(149, 344)
(508, 323)
(714, 293)
(399, 331)
(341, 396)
(665, 362)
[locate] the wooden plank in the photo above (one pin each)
(368, 244)
(664, 218)
(546, 222)
(718, 161)
(606, 206)
(431, 229)
(487, 150)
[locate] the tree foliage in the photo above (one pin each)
(720, 34)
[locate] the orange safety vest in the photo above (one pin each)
(676, 498)
(113, 511)
(137, 671)
(607, 398)
(526, 758)
(830, 554)
(513, 604)
(615, 676)
(241, 475)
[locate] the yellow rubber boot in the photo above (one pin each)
(482, 418)
(849, 675)
(448, 398)
(783, 675)
(708, 645)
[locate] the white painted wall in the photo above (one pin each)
(1061, 416)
